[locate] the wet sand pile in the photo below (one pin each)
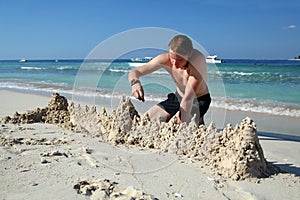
(10, 142)
(55, 113)
(233, 153)
(84, 120)
(105, 189)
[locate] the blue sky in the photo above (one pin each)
(55, 29)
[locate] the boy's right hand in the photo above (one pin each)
(138, 92)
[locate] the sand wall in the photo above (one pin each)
(234, 152)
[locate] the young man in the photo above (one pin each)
(187, 67)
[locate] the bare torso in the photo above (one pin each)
(188, 73)
(195, 67)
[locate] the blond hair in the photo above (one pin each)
(181, 44)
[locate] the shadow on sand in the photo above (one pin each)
(278, 136)
(287, 167)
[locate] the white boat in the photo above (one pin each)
(23, 60)
(213, 59)
(295, 58)
(136, 62)
(145, 59)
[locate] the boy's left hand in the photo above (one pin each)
(178, 117)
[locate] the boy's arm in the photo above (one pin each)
(135, 74)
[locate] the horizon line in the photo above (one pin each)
(63, 59)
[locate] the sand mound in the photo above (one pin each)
(55, 113)
(231, 153)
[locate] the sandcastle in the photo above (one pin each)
(233, 152)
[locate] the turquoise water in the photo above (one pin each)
(266, 86)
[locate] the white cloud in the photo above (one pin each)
(291, 26)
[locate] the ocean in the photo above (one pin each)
(263, 86)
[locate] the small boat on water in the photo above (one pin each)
(213, 59)
(23, 60)
(295, 58)
(136, 62)
(145, 59)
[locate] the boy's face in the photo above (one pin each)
(178, 61)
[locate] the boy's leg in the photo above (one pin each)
(157, 112)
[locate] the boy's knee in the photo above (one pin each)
(158, 113)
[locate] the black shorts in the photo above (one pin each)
(172, 104)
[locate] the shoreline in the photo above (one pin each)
(33, 170)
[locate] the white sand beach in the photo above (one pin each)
(97, 158)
